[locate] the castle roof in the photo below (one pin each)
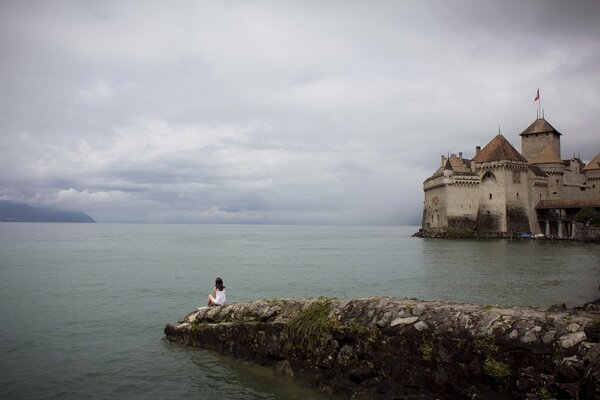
(567, 203)
(499, 149)
(448, 165)
(458, 165)
(537, 170)
(547, 156)
(540, 125)
(594, 164)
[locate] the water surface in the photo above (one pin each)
(83, 305)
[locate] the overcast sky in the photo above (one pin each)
(278, 111)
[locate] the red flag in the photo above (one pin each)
(537, 96)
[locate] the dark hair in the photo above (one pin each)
(219, 284)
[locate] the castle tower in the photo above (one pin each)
(503, 191)
(554, 167)
(539, 135)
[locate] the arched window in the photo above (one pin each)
(488, 177)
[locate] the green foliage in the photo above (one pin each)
(312, 327)
(497, 370)
(427, 348)
(596, 221)
(486, 344)
(544, 393)
(584, 215)
(408, 306)
(194, 326)
(364, 332)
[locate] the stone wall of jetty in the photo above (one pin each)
(402, 348)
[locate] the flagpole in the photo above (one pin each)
(539, 103)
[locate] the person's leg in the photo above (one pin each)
(211, 300)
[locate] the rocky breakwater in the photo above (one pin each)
(401, 348)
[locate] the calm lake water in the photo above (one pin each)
(83, 306)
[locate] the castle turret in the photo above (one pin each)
(539, 135)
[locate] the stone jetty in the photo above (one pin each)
(403, 348)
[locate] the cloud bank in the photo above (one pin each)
(277, 112)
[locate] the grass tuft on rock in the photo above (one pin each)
(312, 327)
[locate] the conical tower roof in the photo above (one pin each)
(594, 164)
(539, 126)
(499, 149)
(547, 156)
(448, 165)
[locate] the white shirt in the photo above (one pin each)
(220, 297)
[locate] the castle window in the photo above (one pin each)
(557, 181)
(488, 176)
(490, 196)
(516, 177)
(517, 195)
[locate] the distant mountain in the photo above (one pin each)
(15, 212)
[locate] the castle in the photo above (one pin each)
(502, 193)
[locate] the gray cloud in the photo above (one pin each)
(273, 112)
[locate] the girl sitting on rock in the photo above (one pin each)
(218, 297)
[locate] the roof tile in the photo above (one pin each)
(499, 149)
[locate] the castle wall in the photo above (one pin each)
(577, 192)
(555, 185)
(491, 213)
(517, 199)
(538, 190)
(533, 144)
(462, 205)
(594, 182)
(434, 210)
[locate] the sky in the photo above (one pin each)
(293, 112)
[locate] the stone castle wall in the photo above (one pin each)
(532, 145)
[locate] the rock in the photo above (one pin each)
(403, 321)
(590, 384)
(421, 325)
(529, 337)
(548, 337)
(358, 348)
(592, 331)
(557, 307)
(417, 310)
(283, 368)
(359, 374)
(570, 340)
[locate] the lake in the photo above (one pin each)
(83, 306)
